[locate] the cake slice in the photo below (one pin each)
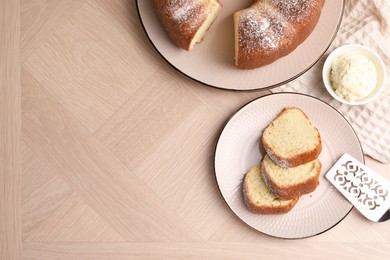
(187, 21)
(289, 183)
(291, 140)
(259, 199)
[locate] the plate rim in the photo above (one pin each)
(249, 89)
(229, 119)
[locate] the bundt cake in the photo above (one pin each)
(187, 21)
(271, 29)
(263, 33)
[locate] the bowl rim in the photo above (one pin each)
(340, 51)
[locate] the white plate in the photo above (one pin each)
(238, 149)
(212, 61)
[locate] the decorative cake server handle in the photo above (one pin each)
(368, 191)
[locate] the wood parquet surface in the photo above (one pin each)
(107, 151)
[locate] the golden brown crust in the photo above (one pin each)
(292, 191)
(277, 29)
(299, 159)
(304, 16)
(265, 209)
(258, 48)
(295, 160)
(182, 26)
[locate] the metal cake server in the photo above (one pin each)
(368, 191)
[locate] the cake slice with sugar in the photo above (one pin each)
(291, 140)
(289, 183)
(258, 197)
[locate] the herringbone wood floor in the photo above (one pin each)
(109, 151)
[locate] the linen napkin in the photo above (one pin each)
(365, 22)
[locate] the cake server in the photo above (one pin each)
(368, 191)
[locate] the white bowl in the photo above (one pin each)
(368, 53)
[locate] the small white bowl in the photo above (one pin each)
(369, 54)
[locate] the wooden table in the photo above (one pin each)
(107, 151)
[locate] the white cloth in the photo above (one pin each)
(365, 22)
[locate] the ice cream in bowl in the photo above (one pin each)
(354, 74)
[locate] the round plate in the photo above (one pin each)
(212, 61)
(238, 149)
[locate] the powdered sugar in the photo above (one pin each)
(184, 9)
(280, 162)
(295, 10)
(185, 14)
(260, 29)
(270, 24)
